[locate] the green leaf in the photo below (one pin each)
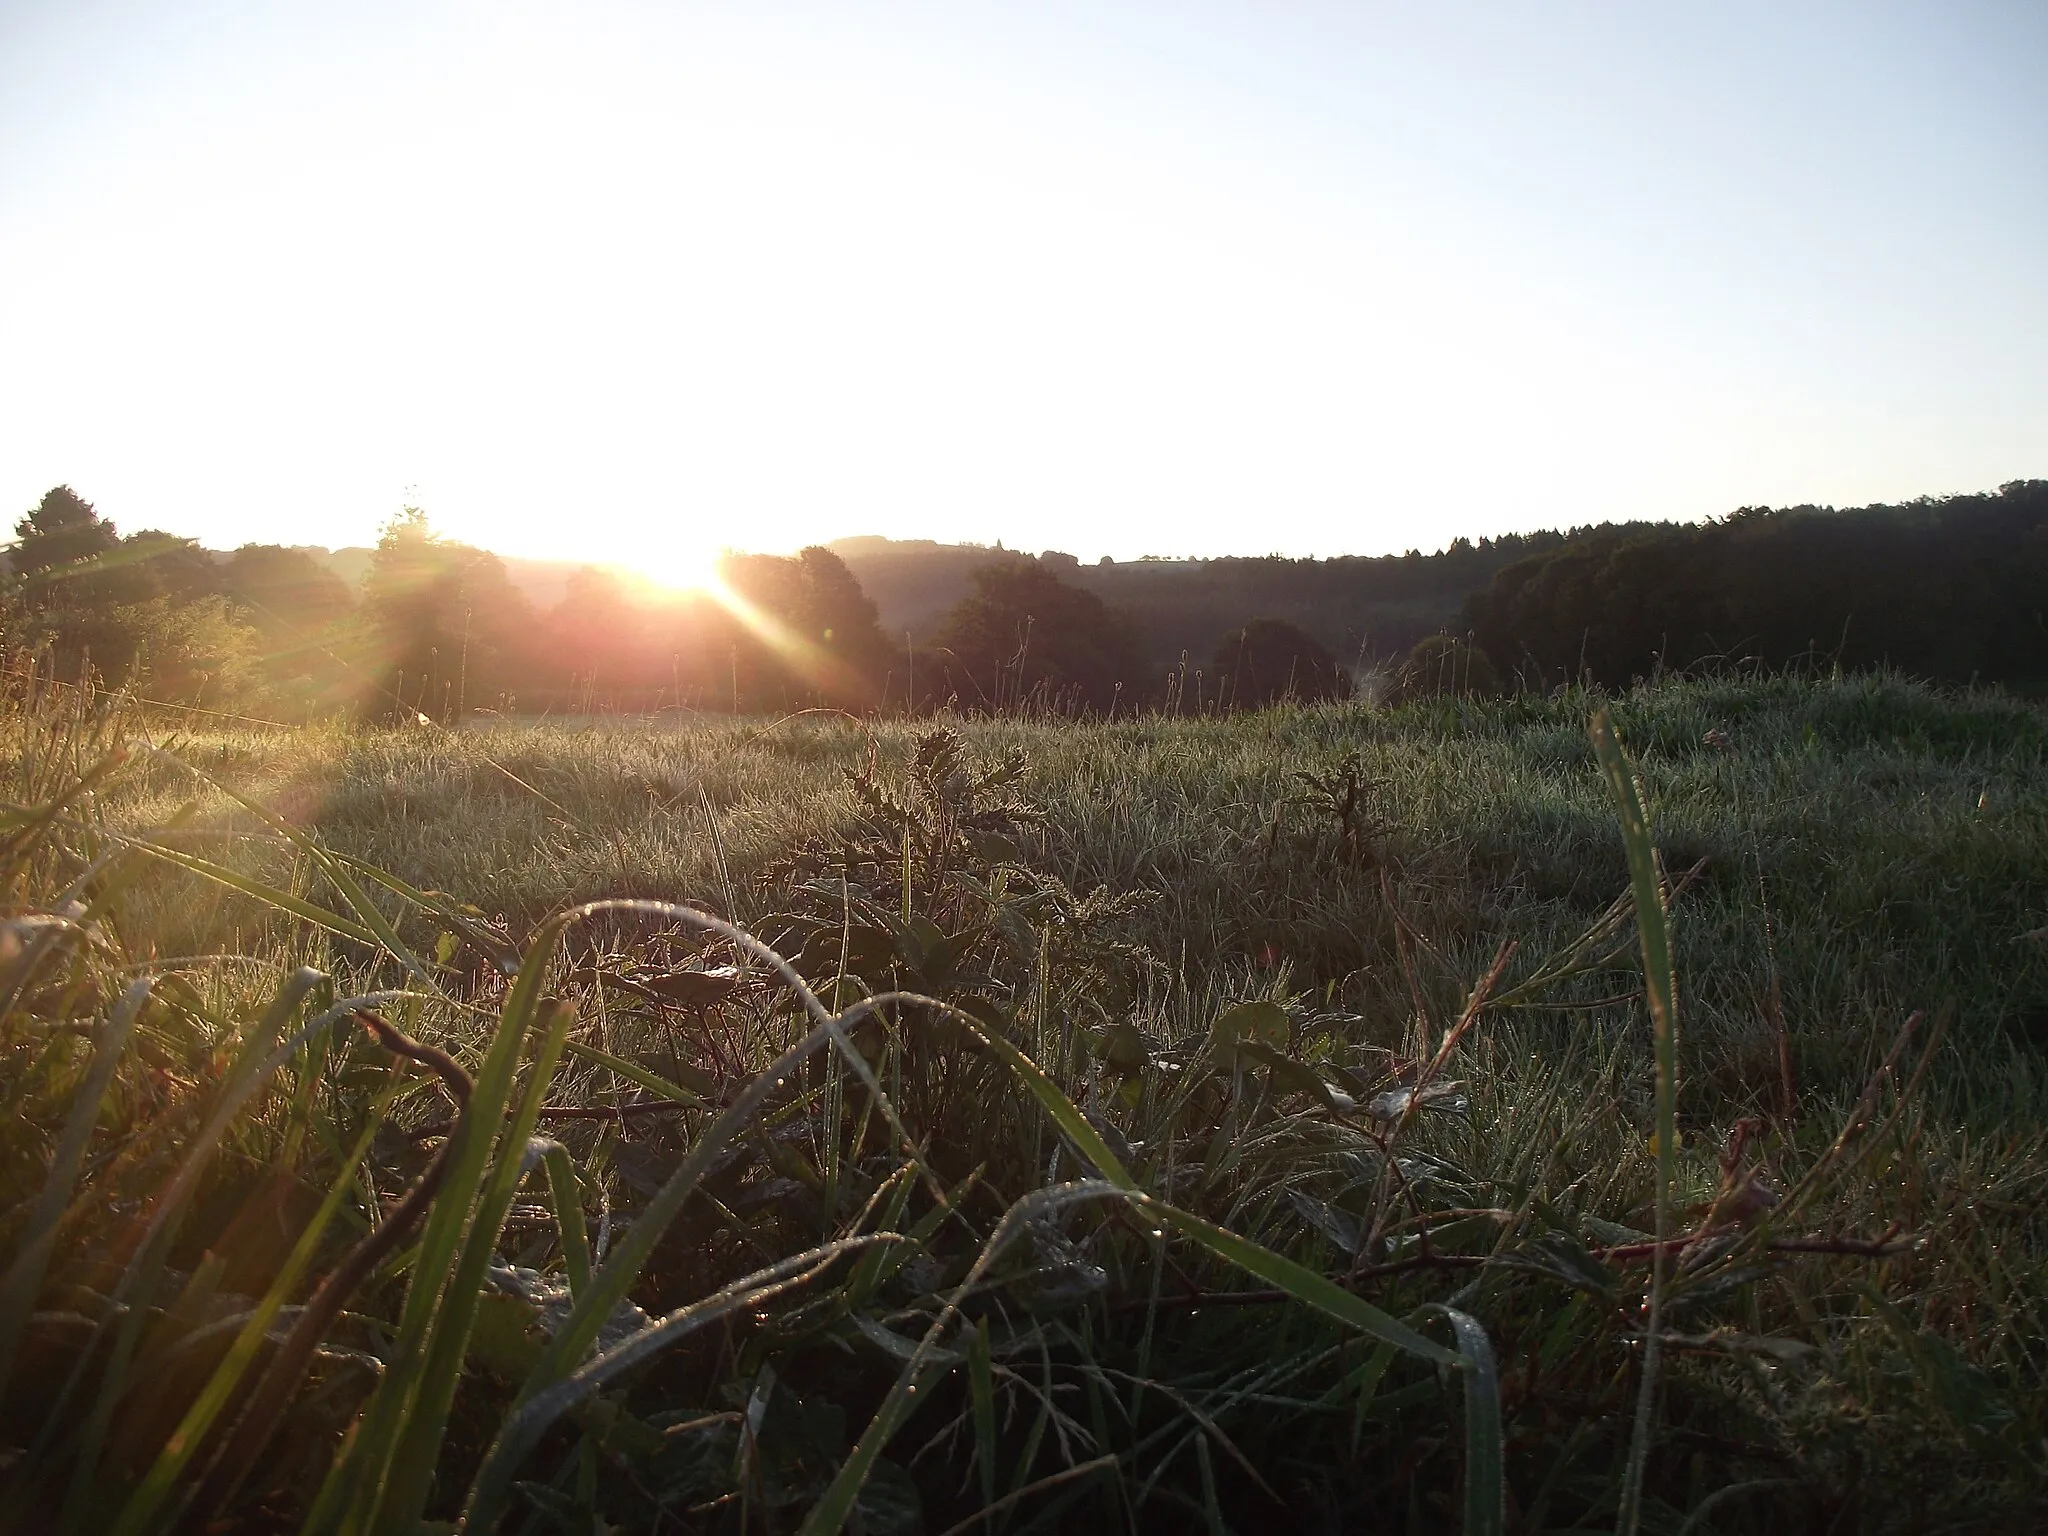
(889, 1504)
(1122, 1048)
(1292, 1076)
(1260, 1023)
(506, 1337)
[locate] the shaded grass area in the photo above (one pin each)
(1360, 989)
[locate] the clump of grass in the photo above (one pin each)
(970, 1166)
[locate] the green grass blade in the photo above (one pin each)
(609, 1285)
(412, 1472)
(1660, 985)
(566, 1195)
(635, 1074)
(356, 1482)
(128, 1301)
(1485, 1469)
(834, 1507)
(981, 1394)
(269, 895)
(1305, 1285)
(245, 1076)
(1064, 1112)
(337, 874)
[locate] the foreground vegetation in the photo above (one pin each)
(1278, 1129)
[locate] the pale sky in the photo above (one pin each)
(629, 282)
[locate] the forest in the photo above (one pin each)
(1949, 589)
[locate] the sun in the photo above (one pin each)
(677, 564)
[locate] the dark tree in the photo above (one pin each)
(446, 629)
(1269, 660)
(63, 528)
(841, 620)
(80, 622)
(1023, 634)
(802, 631)
(285, 592)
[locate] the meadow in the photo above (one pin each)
(1319, 1118)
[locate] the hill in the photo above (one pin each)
(1372, 606)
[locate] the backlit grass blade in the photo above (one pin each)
(1305, 1285)
(615, 1277)
(981, 1396)
(23, 1280)
(232, 1101)
(634, 1073)
(1661, 987)
(609, 1285)
(127, 1303)
(1299, 1282)
(246, 1075)
(1063, 1111)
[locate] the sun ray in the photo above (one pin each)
(829, 674)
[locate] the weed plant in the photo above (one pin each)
(1322, 1119)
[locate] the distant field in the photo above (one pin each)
(1860, 850)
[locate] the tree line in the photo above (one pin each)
(1952, 589)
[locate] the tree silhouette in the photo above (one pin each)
(1268, 660)
(1024, 634)
(802, 632)
(299, 611)
(62, 529)
(447, 630)
(80, 622)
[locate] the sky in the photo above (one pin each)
(634, 282)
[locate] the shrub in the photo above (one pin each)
(1441, 665)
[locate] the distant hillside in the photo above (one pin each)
(1376, 606)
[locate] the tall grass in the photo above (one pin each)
(1148, 1125)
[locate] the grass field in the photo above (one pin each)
(1272, 1140)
